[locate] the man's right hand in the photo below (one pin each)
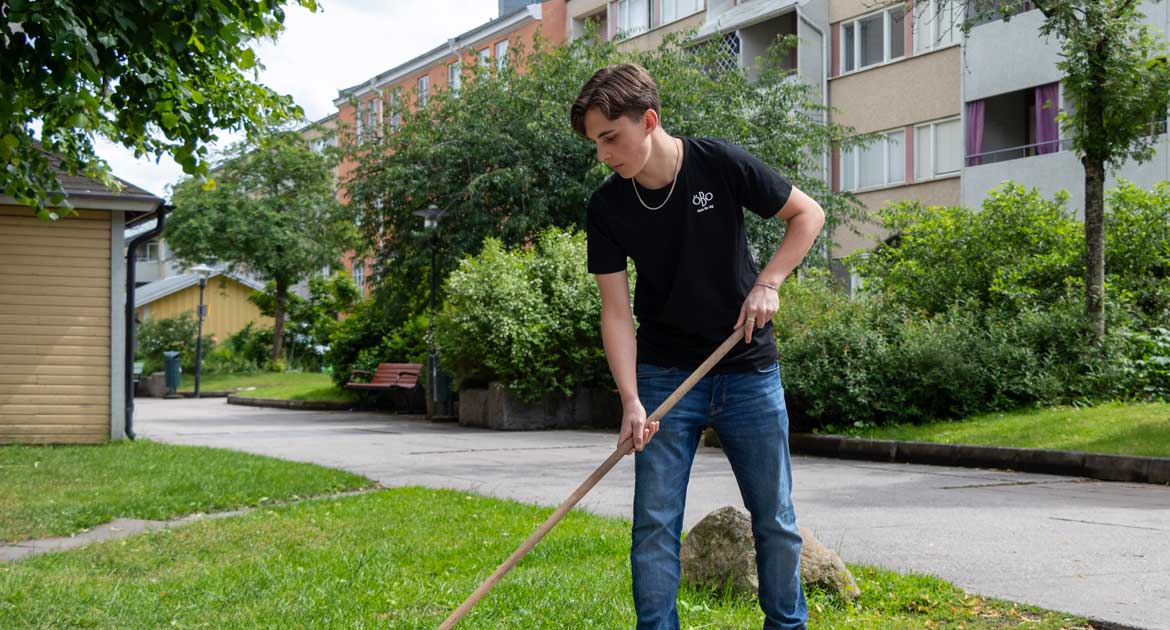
(634, 424)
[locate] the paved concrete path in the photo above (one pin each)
(1092, 548)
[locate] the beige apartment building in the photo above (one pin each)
(895, 71)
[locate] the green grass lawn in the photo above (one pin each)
(404, 559)
(281, 385)
(1118, 428)
(60, 490)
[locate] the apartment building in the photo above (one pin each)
(373, 104)
(896, 72)
(1010, 111)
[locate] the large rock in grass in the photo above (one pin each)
(719, 551)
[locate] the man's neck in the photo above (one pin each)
(665, 157)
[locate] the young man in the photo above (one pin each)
(675, 206)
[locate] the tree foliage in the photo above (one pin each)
(502, 159)
(159, 78)
(274, 212)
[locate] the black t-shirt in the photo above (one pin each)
(694, 267)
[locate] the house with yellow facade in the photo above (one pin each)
(225, 295)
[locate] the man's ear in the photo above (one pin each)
(650, 121)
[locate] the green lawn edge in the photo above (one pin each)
(1140, 429)
(48, 491)
(406, 557)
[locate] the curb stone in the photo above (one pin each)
(277, 403)
(1130, 468)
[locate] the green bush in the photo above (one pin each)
(365, 326)
(178, 333)
(529, 317)
(1137, 249)
(869, 361)
(1019, 251)
(407, 344)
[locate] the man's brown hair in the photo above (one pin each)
(622, 89)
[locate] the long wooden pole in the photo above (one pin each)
(584, 488)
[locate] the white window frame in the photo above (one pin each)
(672, 12)
(932, 145)
(886, 40)
(150, 253)
(395, 115)
(424, 86)
(359, 275)
(455, 76)
(924, 14)
(854, 154)
(625, 30)
(501, 50)
(485, 57)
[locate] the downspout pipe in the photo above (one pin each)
(131, 258)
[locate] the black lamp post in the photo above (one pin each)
(431, 218)
(202, 271)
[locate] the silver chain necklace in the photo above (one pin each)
(634, 181)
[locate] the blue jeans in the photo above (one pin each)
(747, 411)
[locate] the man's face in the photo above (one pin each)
(623, 144)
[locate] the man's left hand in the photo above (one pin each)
(757, 310)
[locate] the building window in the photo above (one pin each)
(678, 9)
(502, 54)
(424, 83)
(873, 39)
(729, 47)
(148, 253)
(359, 274)
(372, 121)
(485, 57)
(633, 17)
(395, 114)
(938, 149)
(455, 76)
(881, 164)
(937, 24)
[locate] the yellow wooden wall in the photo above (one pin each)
(54, 327)
(228, 307)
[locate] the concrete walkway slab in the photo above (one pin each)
(1092, 548)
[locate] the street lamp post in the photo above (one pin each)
(202, 271)
(431, 218)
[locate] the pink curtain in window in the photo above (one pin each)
(975, 111)
(1047, 131)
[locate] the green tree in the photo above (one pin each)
(501, 158)
(1117, 79)
(317, 317)
(274, 212)
(159, 78)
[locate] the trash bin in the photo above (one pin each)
(174, 371)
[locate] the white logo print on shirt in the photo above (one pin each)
(703, 199)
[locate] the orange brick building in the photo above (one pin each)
(368, 105)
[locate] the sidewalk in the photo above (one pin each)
(1092, 548)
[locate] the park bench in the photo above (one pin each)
(399, 380)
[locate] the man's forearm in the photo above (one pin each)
(621, 350)
(798, 240)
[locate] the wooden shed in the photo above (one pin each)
(226, 298)
(62, 322)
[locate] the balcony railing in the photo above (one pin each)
(1015, 153)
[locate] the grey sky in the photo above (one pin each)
(344, 43)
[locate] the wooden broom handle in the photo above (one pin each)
(584, 488)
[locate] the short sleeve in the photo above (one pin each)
(604, 253)
(759, 187)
